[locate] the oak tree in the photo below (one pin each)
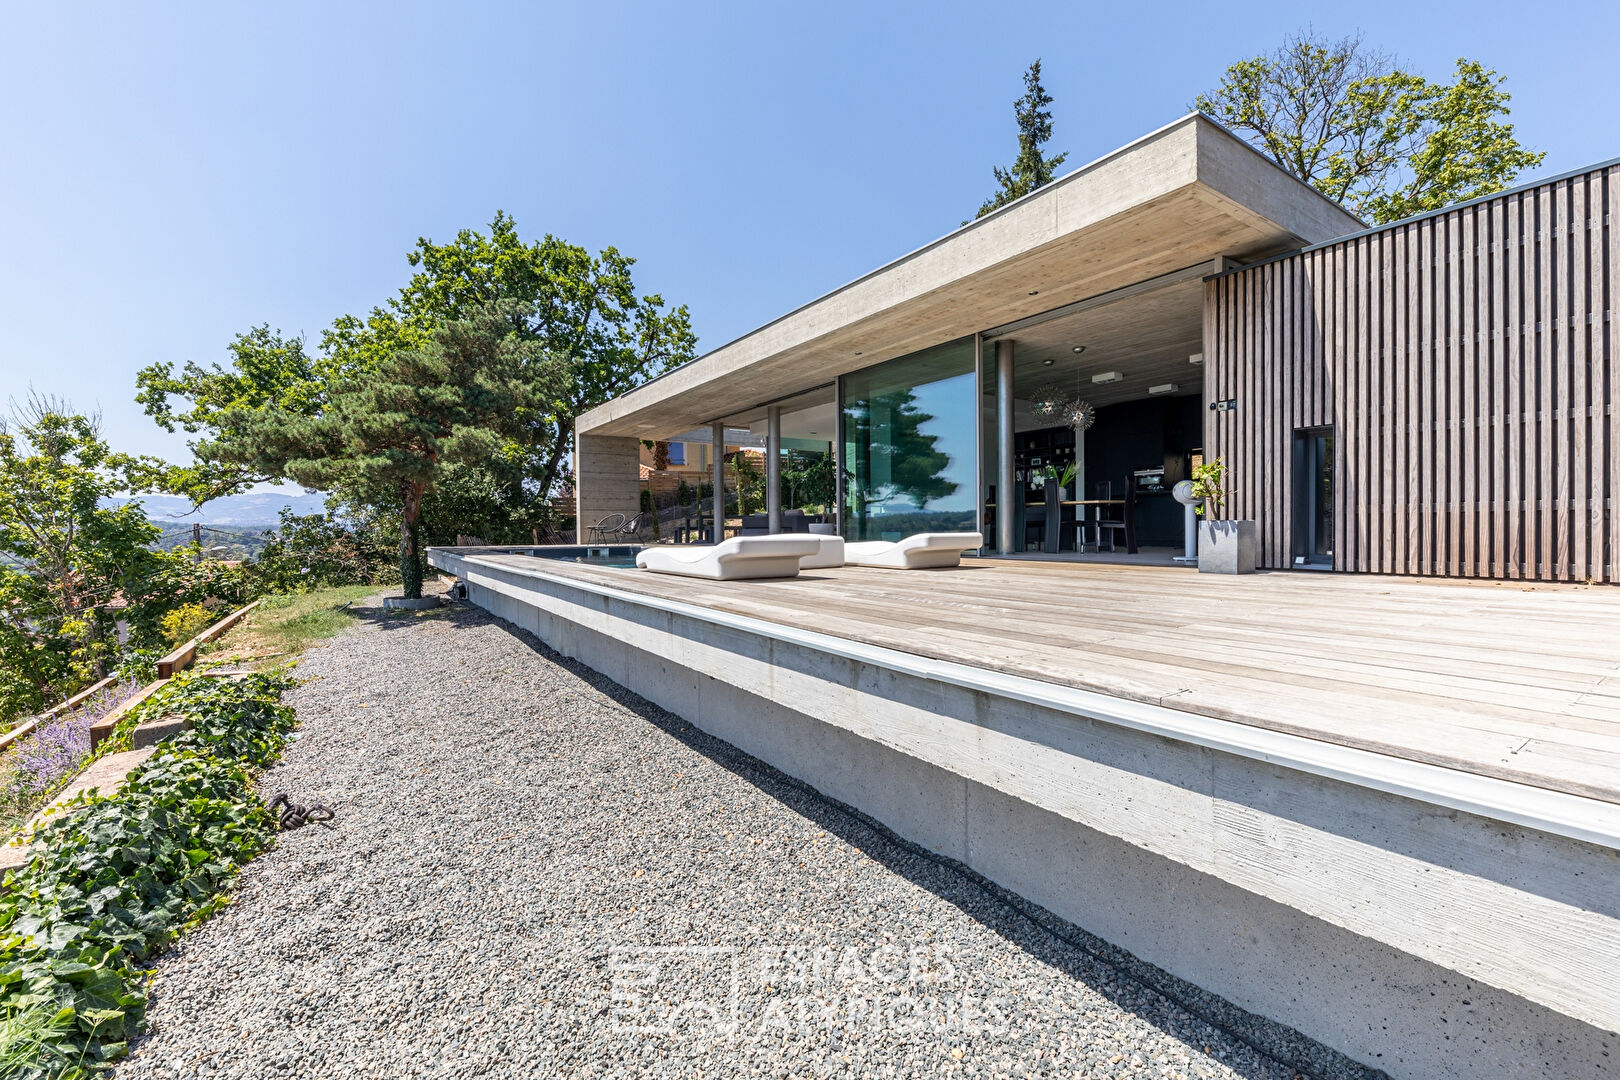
(1382, 141)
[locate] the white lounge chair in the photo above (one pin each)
(830, 555)
(736, 559)
(924, 551)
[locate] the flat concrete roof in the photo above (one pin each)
(1182, 195)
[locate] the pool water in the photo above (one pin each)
(622, 556)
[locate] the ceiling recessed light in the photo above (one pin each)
(1034, 292)
(1078, 349)
(857, 354)
(1048, 362)
(1107, 377)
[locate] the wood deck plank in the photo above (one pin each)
(1499, 678)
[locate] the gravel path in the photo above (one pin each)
(535, 874)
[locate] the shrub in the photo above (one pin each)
(314, 551)
(185, 622)
(37, 765)
(53, 753)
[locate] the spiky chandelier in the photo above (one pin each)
(1063, 407)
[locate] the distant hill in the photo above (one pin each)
(239, 542)
(262, 509)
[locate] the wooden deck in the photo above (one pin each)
(1511, 680)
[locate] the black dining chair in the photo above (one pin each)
(1110, 523)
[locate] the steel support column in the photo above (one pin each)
(773, 468)
(1006, 465)
(719, 481)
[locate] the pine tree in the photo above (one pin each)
(387, 435)
(1031, 170)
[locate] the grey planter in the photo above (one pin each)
(1226, 547)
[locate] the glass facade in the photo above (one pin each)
(910, 445)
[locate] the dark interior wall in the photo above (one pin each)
(1152, 433)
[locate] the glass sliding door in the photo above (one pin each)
(910, 434)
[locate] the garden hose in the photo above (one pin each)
(293, 815)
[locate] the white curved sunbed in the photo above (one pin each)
(737, 559)
(831, 554)
(923, 551)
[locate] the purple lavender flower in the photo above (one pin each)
(58, 748)
(104, 701)
(54, 751)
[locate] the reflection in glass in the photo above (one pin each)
(1322, 467)
(808, 482)
(909, 435)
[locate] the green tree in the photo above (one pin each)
(583, 309)
(314, 551)
(586, 311)
(384, 436)
(1031, 169)
(810, 479)
(266, 371)
(1382, 141)
(70, 567)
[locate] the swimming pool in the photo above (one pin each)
(617, 555)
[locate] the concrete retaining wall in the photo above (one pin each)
(1410, 935)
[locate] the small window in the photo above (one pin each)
(1313, 497)
(677, 453)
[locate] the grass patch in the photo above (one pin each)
(284, 625)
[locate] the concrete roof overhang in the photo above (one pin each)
(1183, 195)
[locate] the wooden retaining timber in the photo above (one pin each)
(182, 657)
(102, 728)
(1468, 363)
(176, 661)
(107, 773)
(27, 726)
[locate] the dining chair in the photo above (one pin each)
(1110, 518)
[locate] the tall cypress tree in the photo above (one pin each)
(1031, 169)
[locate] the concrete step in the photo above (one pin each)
(155, 731)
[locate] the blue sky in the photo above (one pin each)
(173, 174)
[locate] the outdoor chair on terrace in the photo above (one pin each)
(634, 529)
(602, 530)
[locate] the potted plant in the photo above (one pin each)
(1224, 547)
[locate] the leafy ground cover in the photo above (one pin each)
(113, 882)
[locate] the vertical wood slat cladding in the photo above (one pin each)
(1469, 365)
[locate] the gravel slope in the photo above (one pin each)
(534, 873)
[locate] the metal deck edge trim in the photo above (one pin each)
(1577, 817)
